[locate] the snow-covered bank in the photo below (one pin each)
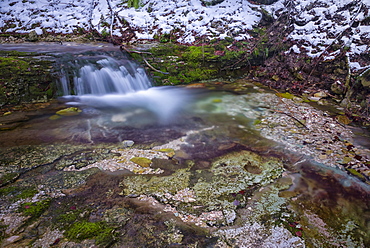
(316, 24)
(320, 24)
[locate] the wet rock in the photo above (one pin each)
(13, 117)
(128, 143)
(13, 239)
(321, 136)
(320, 94)
(27, 157)
(82, 158)
(32, 36)
(212, 190)
(49, 238)
(257, 235)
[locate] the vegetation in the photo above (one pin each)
(133, 3)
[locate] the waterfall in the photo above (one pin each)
(104, 76)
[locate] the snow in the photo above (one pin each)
(317, 24)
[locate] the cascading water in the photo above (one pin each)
(121, 86)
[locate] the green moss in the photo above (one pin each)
(9, 66)
(133, 3)
(8, 178)
(7, 190)
(188, 64)
(166, 150)
(16, 193)
(34, 209)
(27, 193)
(257, 121)
(195, 53)
(69, 111)
(83, 230)
(90, 230)
(69, 217)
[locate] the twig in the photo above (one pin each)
(133, 51)
(151, 67)
(291, 116)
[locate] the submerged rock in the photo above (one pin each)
(69, 111)
(128, 143)
(144, 162)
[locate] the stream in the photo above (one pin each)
(117, 162)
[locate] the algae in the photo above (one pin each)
(141, 184)
(230, 176)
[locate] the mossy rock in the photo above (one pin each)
(189, 64)
(25, 78)
(25, 193)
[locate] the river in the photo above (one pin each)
(116, 162)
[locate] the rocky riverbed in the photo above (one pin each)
(249, 170)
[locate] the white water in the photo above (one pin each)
(105, 84)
